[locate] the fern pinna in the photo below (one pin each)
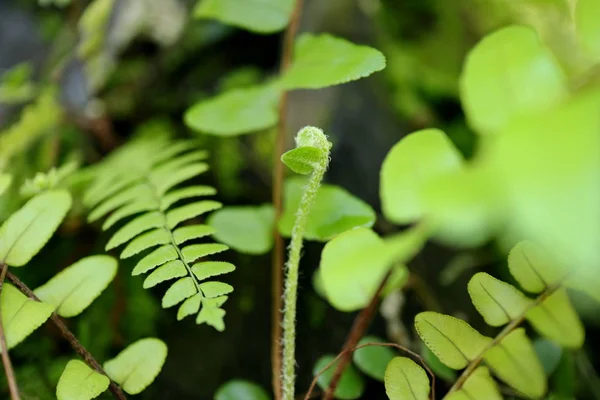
(143, 181)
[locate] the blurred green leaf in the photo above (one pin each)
(373, 360)
(439, 369)
(409, 166)
(405, 379)
(137, 366)
(354, 263)
(264, 16)
(587, 15)
(247, 229)
(479, 384)
(549, 354)
(324, 60)
(27, 230)
(509, 73)
(350, 386)
(235, 112)
(74, 288)
(239, 389)
(80, 382)
(5, 181)
(334, 211)
(524, 373)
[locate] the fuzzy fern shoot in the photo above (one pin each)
(142, 182)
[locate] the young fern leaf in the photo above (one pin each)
(405, 379)
(148, 195)
(510, 355)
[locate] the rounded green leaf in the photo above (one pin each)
(479, 385)
(5, 181)
(21, 315)
(235, 112)
(373, 360)
(324, 60)
(405, 379)
(80, 382)
(28, 229)
(265, 16)
(354, 263)
(498, 302)
(509, 73)
(239, 389)
(587, 15)
(350, 386)
(409, 166)
(549, 354)
(532, 267)
(515, 362)
(556, 319)
(136, 367)
(73, 289)
(247, 229)
(334, 211)
(452, 340)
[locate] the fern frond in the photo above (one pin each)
(510, 355)
(139, 188)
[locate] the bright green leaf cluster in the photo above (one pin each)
(147, 195)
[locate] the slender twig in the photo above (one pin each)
(397, 346)
(507, 329)
(359, 327)
(278, 173)
(69, 337)
(8, 368)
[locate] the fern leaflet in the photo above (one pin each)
(141, 182)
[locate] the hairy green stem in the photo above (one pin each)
(290, 294)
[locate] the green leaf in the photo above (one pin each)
(440, 370)
(354, 263)
(157, 257)
(497, 301)
(247, 229)
(189, 211)
(463, 207)
(260, 16)
(515, 362)
(185, 233)
(479, 385)
(556, 319)
(549, 354)
(5, 181)
(508, 74)
(170, 270)
(239, 389)
(80, 382)
(174, 178)
(190, 306)
(136, 367)
(532, 268)
(212, 314)
(20, 315)
(215, 289)
(350, 386)
(195, 251)
(587, 14)
(235, 112)
(373, 360)
(146, 241)
(119, 200)
(27, 230)
(334, 211)
(179, 291)
(302, 160)
(324, 60)
(409, 166)
(207, 269)
(134, 228)
(405, 379)
(174, 196)
(74, 288)
(452, 340)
